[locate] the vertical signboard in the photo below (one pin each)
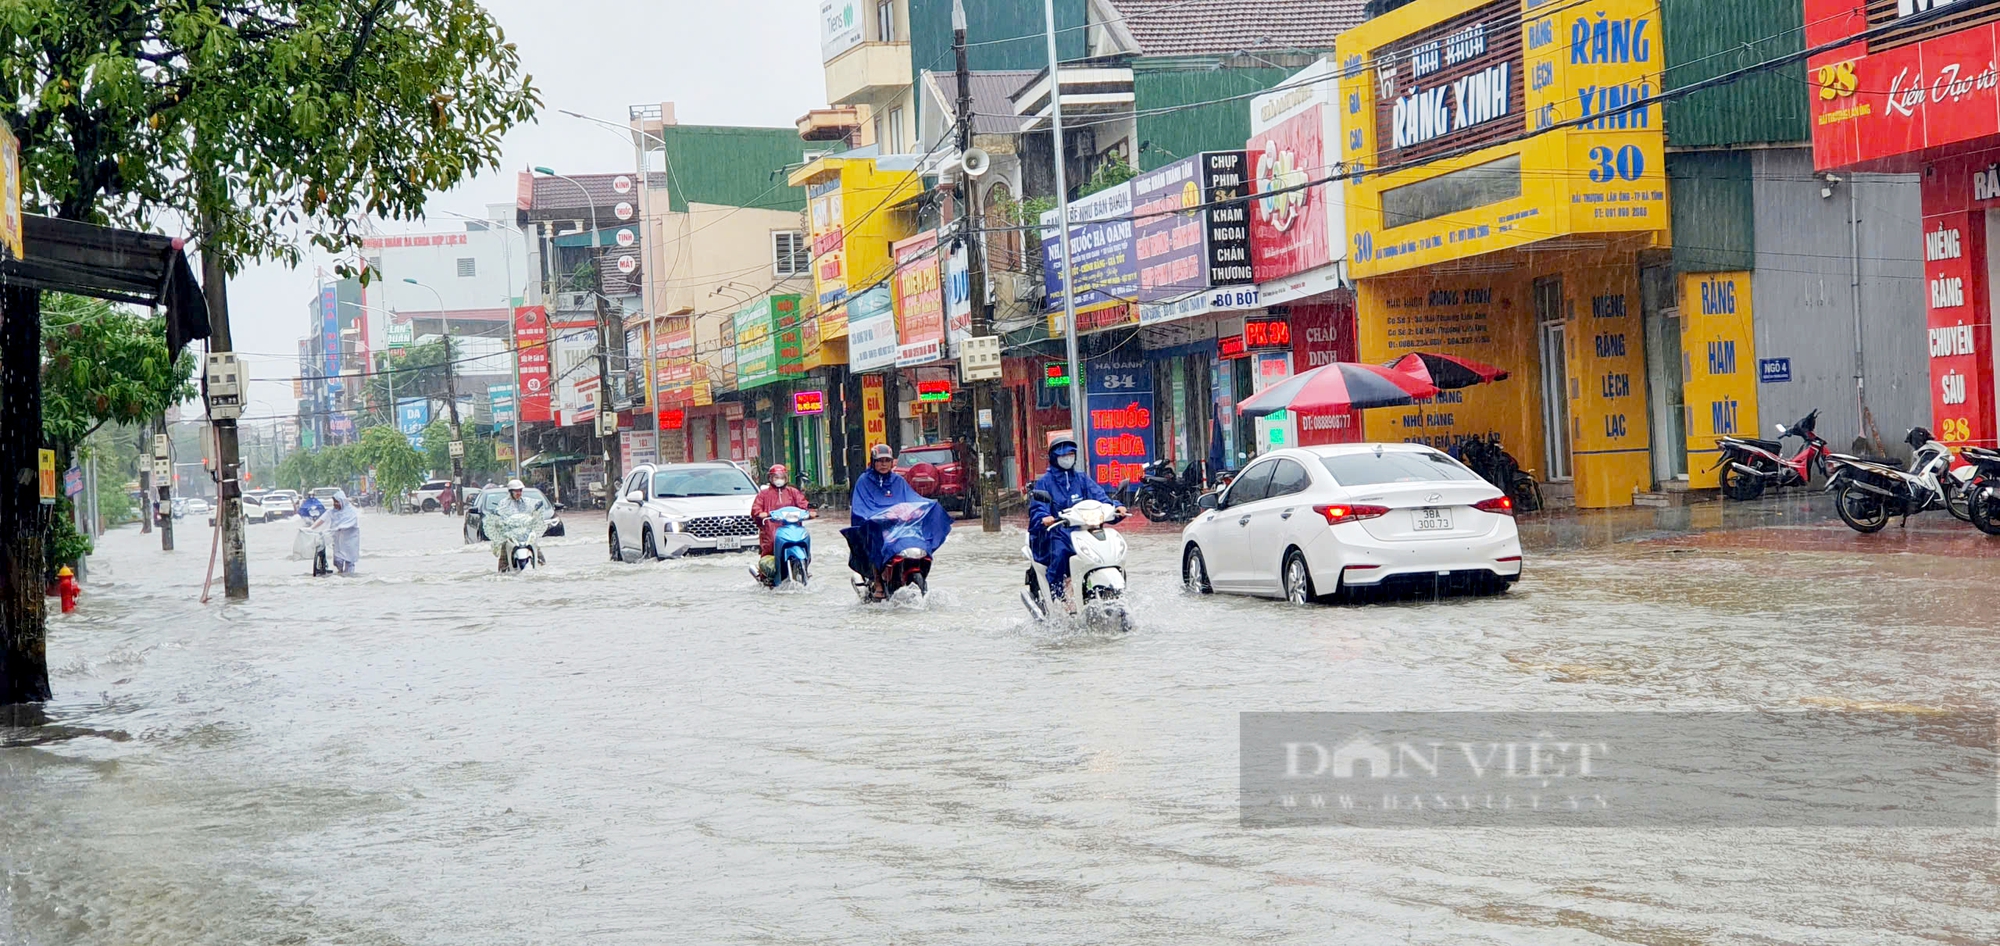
(1120, 401)
(1720, 387)
(413, 414)
(10, 191)
(1610, 440)
(957, 298)
(874, 411)
(871, 331)
(756, 346)
(1289, 231)
(1169, 240)
(531, 353)
(787, 317)
(919, 301)
(329, 329)
(840, 27)
(1958, 328)
(501, 396)
(827, 230)
(1224, 186)
(1322, 335)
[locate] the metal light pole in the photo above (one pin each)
(1077, 415)
(645, 285)
(612, 473)
(450, 388)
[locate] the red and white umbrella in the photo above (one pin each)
(1340, 386)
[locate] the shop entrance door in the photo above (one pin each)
(1555, 380)
(1665, 361)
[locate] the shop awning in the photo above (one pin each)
(112, 264)
(540, 460)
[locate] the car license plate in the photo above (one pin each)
(1432, 519)
(729, 543)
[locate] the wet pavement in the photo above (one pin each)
(663, 752)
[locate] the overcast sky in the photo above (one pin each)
(721, 62)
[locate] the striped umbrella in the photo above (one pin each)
(1340, 386)
(1447, 372)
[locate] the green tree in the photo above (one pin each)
(104, 365)
(398, 466)
(416, 371)
(261, 120)
(1113, 172)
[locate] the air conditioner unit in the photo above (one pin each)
(574, 302)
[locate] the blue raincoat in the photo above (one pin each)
(888, 516)
(1066, 488)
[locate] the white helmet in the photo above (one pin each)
(514, 485)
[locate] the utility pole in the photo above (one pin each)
(1077, 417)
(984, 438)
(228, 494)
(612, 474)
(165, 486)
(457, 447)
(146, 508)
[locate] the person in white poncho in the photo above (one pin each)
(343, 532)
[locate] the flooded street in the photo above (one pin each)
(429, 753)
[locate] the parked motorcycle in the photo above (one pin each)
(1096, 572)
(1165, 497)
(892, 550)
(1749, 465)
(1486, 457)
(1868, 494)
(1982, 490)
(791, 550)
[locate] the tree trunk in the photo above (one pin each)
(24, 662)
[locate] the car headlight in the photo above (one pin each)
(673, 525)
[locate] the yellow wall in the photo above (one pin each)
(1486, 318)
(869, 223)
(1573, 180)
(1719, 375)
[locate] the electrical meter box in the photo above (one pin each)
(160, 447)
(225, 386)
(607, 423)
(979, 358)
(456, 448)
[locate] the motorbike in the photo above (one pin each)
(1982, 490)
(791, 550)
(1868, 494)
(1749, 466)
(1486, 457)
(892, 550)
(1165, 497)
(515, 537)
(1096, 572)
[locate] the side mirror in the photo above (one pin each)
(636, 496)
(1041, 496)
(1209, 501)
(1781, 429)
(559, 507)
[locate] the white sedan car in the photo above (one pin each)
(1313, 522)
(675, 508)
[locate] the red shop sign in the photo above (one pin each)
(809, 402)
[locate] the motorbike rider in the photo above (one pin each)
(776, 495)
(516, 504)
(879, 486)
(1066, 486)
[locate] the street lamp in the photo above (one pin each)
(450, 388)
(646, 300)
(612, 471)
(513, 335)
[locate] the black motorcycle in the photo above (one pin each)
(1164, 497)
(1486, 457)
(1982, 493)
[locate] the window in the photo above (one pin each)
(680, 484)
(1376, 469)
(467, 267)
(935, 456)
(1288, 478)
(1253, 485)
(896, 130)
(885, 20)
(1453, 192)
(788, 253)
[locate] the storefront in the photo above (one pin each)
(1917, 92)
(1491, 235)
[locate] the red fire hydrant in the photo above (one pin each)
(67, 587)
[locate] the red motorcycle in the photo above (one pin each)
(1749, 465)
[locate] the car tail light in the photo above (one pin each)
(1338, 513)
(1503, 505)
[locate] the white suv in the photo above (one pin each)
(672, 509)
(429, 497)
